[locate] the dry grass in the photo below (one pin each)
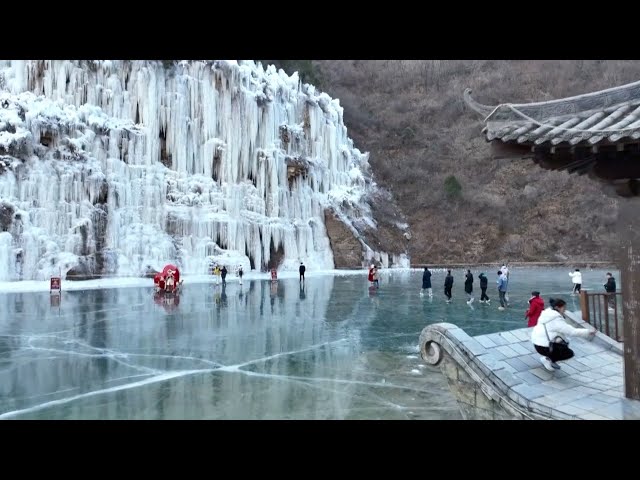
(411, 116)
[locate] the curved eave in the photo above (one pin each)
(513, 134)
(484, 110)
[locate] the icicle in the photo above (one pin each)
(6, 265)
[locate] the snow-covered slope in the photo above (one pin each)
(114, 166)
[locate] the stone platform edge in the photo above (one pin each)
(484, 393)
(600, 338)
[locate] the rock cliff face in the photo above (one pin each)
(347, 249)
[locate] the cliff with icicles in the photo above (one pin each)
(118, 167)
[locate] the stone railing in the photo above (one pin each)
(482, 392)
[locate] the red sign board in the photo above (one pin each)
(55, 283)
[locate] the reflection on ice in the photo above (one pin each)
(264, 349)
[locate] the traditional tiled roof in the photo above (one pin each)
(598, 118)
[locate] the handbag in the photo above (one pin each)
(556, 345)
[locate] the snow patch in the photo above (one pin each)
(126, 282)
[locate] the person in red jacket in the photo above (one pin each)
(536, 306)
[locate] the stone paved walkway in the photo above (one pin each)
(589, 386)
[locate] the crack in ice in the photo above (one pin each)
(158, 378)
(236, 367)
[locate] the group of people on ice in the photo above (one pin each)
(609, 285)
(221, 272)
(502, 283)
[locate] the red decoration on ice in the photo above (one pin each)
(171, 270)
(171, 276)
(168, 280)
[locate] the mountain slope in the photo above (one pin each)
(411, 117)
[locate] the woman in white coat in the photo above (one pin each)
(552, 328)
(576, 278)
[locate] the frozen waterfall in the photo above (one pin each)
(114, 166)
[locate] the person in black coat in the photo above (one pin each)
(448, 285)
(223, 274)
(610, 288)
(484, 282)
(426, 282)
(468, 286)
(302, 269)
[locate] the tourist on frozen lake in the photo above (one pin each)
(302, 269)
(610, 288)
(426, 282)
(240, 273)
(576, 278)
(548, 335)
(376, 277)
(502, 289)
(371, 271)
(505, 271)
(468, 286)
(484, 283)
(536, 306)
(448, 285)
(223, 274)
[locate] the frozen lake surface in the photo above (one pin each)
(333, 350)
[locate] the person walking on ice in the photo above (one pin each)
(484, 283)
(505, 272)
(376, 277)
(468, 286)
(371, 272)
(448, 285)
(302, 269)
(502, 289)
(426, 282)
(576, 278)
(223, 273)
(240, 273)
